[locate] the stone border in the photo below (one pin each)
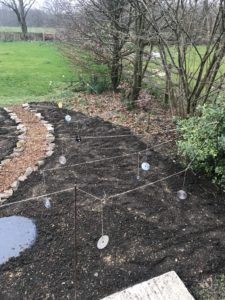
(50, 138)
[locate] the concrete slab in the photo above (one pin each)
(165, 287)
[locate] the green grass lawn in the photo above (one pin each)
(32, 71)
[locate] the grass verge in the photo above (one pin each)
(36, 71)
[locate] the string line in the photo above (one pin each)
(89, 194)
(109, 158)
(36, 197)
(112, 196)
(145, 185)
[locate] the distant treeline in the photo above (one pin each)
(35, 18)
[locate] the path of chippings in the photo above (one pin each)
(34, 148)
(150, 231)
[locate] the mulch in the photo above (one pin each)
(150, 230)
(34, 148)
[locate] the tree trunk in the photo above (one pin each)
(137, 75)
(22, 19)
(23, 26)
(116, 68)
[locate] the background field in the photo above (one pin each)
(38, 71)
(47, 71)
(30, 29)
(155, 77)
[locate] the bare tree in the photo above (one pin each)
(141, 31)
(192, 72)
(103, 25)
(21, 8)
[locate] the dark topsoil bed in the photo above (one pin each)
(150, 230)
(8, 134)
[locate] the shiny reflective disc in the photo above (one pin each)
(103, 242)
(145, 166)
(182, 195)
(47, 202)
(62, 160)
(68, 118)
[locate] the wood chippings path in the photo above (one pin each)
(32, 148)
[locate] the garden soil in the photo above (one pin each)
(150, 230)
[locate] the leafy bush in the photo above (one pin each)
(213, 288)
(202, 141)
(94, 85)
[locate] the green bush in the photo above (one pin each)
(202, 141)
(93, 85)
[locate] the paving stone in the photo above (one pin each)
(165, 287)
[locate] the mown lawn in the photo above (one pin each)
(36, 71)
(27, 69)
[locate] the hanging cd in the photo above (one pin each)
(47, 202)
(60, 105)
(62, 160)
(145, 166)
(182, 195)
(103, 242)
(68, 118)
(78, 138)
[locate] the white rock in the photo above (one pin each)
(2, 195)
(12, 115)
(49, 153)
(15, 185)
(50, 137)
(24, 105)
(8, 193)
(21, 127)
(22, 178)
(40, 163)
(49, 127)
(38, 115)
(28, 171)
(51, 147)
(22, 137)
